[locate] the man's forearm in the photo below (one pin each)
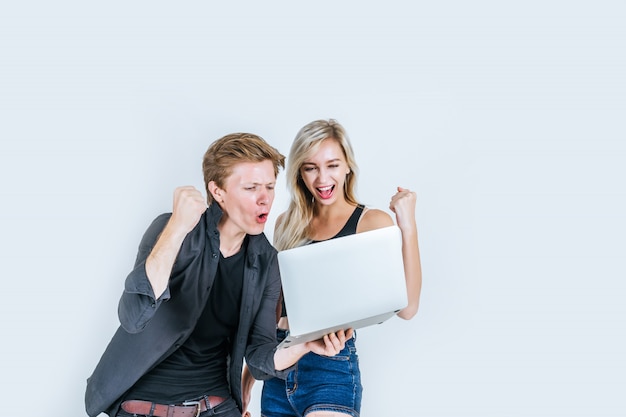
(161, 260)
(284, 358)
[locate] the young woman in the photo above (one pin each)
(321, 175)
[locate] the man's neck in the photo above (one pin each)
(230, 240)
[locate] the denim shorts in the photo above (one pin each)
(318, 383)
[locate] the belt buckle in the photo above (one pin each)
(198, 404)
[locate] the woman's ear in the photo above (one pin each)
(216, 192)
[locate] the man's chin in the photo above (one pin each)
(253, 231)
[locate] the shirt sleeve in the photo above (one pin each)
(137, 304)
(262, 341)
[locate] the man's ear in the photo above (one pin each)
(216, 192)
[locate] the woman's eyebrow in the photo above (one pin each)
(326, 162)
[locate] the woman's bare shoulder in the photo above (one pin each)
(373, 219)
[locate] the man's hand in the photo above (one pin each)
(331, 344)
(189, 204)
(188, 208)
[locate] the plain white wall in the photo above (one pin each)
(508, 121)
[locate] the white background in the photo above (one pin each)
(507, 118)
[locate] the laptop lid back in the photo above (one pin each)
(352, 281)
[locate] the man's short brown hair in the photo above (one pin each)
(232, 149)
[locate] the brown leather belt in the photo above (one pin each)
(186, 409)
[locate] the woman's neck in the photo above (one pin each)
(329, 212)
(327, 221)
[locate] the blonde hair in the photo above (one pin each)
(293, 228)
(226, 152)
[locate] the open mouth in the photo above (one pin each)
(325, 192)
(262, 218)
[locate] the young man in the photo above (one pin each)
(202, 297)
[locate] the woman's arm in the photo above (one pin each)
(403, 205)
(247, 382)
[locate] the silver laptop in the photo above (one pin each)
(347, 282)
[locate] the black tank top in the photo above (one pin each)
(350, 227)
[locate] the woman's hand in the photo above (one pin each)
(247, 382)
(403, 205)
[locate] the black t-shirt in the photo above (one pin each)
(199, 366)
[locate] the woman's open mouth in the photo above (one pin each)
(325, 192)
